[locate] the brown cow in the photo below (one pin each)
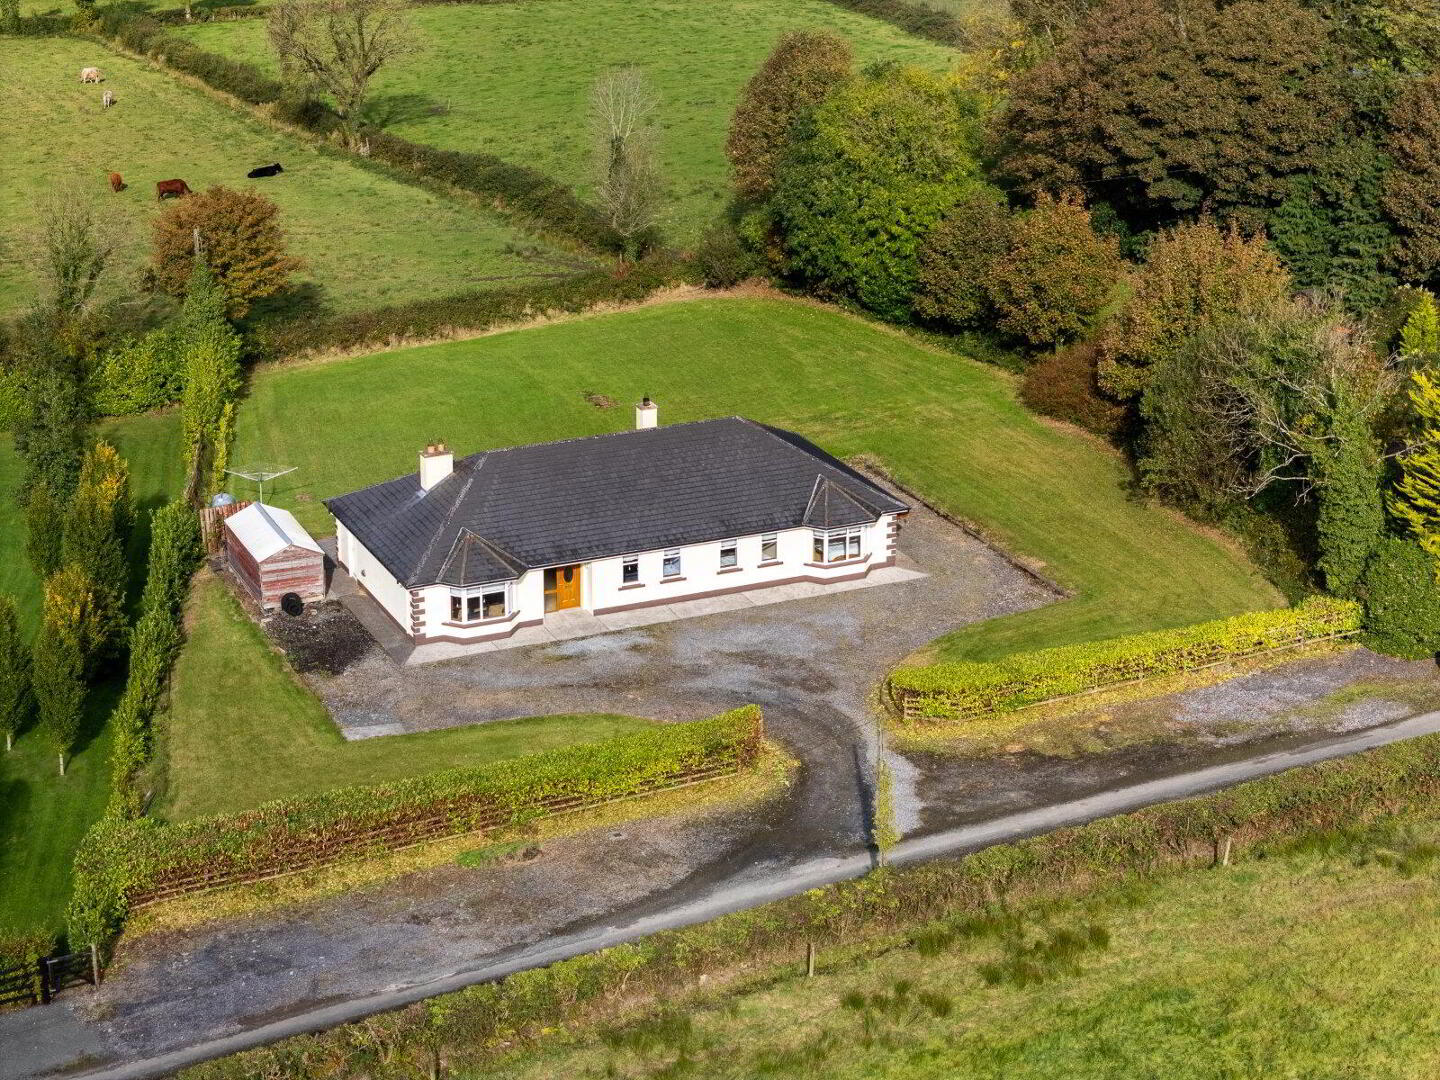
(174, 188)
(117, 183)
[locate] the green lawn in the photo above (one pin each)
(369, 239)
(243, 730)
(43, 815)
(513, 79)
(1297, 966)
(946, 426)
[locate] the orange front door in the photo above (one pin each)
(562, 588)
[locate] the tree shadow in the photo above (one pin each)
(302, 299)
(99, 704)
(386, 110)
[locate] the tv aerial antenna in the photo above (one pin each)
(258, 474)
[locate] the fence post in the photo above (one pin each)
(809, 959)
(94, 964)
(45, 994)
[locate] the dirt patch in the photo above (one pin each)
(325, 639)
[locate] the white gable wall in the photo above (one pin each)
(372, 575)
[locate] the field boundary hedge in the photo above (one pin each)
(917, 19)
(460, 1033)
(966, 690)
(534, 197)
(127, 863)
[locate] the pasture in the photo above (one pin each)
(243, 730)
(945, 426)
(512, 79)
(1304, 963)
(369, 239)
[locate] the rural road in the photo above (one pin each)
(46, 1041)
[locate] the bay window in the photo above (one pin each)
(479, 603)
(837, 545)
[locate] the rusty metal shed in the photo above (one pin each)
(271, 554)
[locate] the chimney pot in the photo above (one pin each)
(646, 414)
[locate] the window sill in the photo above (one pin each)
(668, 580)
(633, 585)
(841, 562)
(770, 562)
(493, 620)
(729, 570)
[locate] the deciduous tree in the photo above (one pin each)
(73, 247)
(872, 171)
(1195, 275)
(239, 238)
(98, 519)
(801, 71)
(1350, 520)
(210, 350)
(1415, 500)
(954, 262)
(1412, 187)
(16, 701)
(626, 159)
(64, 646)
(340, 45)
(52, 431)
(1402, 600)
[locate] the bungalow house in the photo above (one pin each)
(473, 550)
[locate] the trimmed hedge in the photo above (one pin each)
(424, 319)
(463, 1031)
(965, 690)
(531, 194)
(918, 19)
(175, 553)
(120, 862)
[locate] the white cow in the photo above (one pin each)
(107, 99)
(89, 75)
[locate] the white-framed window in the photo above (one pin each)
(729, 553)
(837, 545)
(630, 570)
(479, 603)
(671, 566)
(770, 547)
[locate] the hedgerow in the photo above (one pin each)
(25, 949)
(964, 690)
(175, 552)
(539, 198)
(121, 862)
(460, 1032)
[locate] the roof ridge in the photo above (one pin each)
(607, 435)
(280, 529)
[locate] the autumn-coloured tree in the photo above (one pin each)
(801, 71)
(1416, 498)
(1055, 276)
(955, 259)
(239, 237)
(98, 519)
(1164, 110)
(1195, 274)
(1412, 187)
(67, 641)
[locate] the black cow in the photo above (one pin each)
(264, 170)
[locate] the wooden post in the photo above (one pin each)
(810, 959)
(1225, 852)
(94, 964)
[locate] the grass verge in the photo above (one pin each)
(243, 730)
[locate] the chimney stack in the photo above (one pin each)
(646, 414)
(436, 463)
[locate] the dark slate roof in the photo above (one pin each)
(502, 512)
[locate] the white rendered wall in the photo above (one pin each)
(377, 581)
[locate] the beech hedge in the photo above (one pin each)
(964, 690)
(464, 1031)
(122, 860)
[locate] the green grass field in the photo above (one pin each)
(513, 79)
(1297, 966)
(43, 815)
(369, 239)
(243, 730)
(945, 426)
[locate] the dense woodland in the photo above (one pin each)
(1204, 231)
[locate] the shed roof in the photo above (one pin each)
(267, 530)
(504, 511)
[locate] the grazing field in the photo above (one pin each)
(1302, 964)
(43, 815)
(513, 79)
(369, 239)
(243, 730)
(945, 426)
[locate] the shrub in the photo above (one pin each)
(240, 239)
(1402, 600)
(954, 262)
(1064, 385)
(120, 861)
(801, 71)
(137, 375)
(722, 259)
(965, 690)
